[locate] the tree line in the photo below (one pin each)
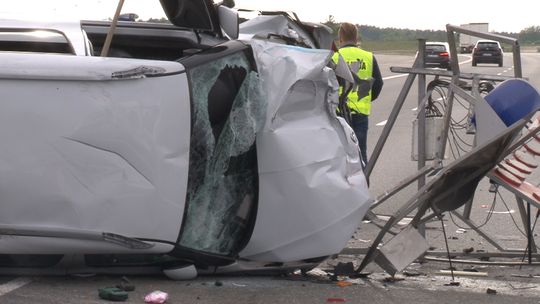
(530, 35)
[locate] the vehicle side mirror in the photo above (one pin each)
(229, 21)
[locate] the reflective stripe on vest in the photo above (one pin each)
(362, 61)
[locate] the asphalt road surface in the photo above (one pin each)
(511, 284)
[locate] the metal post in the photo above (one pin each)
(517, 59)
(454, 62)
(450, 100)
(529, 233)
(391, 120)
(421, 114)
(476, 93)
(447, 119)
(421, 123)
(525, 219)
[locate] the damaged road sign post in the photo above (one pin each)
(401, 250)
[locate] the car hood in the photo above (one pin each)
(195, 14)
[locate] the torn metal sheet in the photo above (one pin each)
(309, 202)
(276, 28)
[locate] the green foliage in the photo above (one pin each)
(530, 35)
(389, 39)
(396, 40)
(391, 46)
(373, 33)
(331, 23)
(156, 20)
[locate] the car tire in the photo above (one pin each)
(501, 63)
(473, 63)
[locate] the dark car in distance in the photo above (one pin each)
(437, 55)
(487, 51)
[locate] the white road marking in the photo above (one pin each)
(13, 285)
(414, 109)
(501, 212)
(382, 123)
(395, 76)
(466, 61)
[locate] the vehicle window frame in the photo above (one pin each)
(69, 45)
(186, 244)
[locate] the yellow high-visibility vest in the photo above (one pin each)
(364, 61)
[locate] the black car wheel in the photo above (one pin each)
(474, 62)
(501, 63)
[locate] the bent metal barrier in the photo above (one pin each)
(462, 175)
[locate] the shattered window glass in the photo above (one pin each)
(227, 111)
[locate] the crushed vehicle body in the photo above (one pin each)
(230, 158)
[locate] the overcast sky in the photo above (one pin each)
(510, 16)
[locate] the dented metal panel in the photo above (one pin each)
(313, 193)
(94, 156)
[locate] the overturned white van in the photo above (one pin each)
(230, 158)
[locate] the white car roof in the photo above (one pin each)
(489, 41)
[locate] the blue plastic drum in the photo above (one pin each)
(513, 100)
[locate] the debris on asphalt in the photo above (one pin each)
(411, 273)
(335, 300)
(393, 279)
(522, 287)
(470, 269)
(218, 283)
(344, 283)
(491, 291)
(461, 231)
(463, 273)
(112, 294)
(468, 250)
(126, 285)
(525, 275)
(484, 258)
(454, 283)
(316, 275)
(344, 269)
(362, 274)
(316, 272)
(156, 297)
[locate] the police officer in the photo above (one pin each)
(362, 63)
